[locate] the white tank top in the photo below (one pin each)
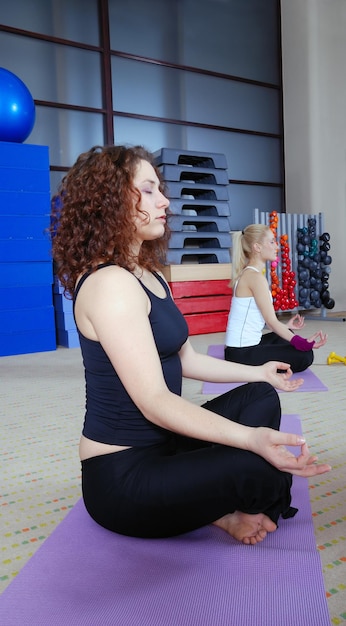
(245, 320)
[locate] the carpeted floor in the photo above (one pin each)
(42, 403)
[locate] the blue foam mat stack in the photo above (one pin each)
(26, 274)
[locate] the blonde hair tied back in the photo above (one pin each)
(242, 247)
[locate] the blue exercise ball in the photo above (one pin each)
(17, 108)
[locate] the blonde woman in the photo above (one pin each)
(252, 309)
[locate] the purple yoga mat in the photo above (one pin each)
(84, 575)
(311, 381)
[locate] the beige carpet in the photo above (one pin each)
(41, 407)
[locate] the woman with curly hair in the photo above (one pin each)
(153, 463)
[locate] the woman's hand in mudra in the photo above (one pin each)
(271, 445)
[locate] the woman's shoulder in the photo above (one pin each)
(162, 276)
(109, 277)
(114, 289)
(251, 275)
(250, 281)
(257, 281)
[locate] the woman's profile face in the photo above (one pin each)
(151, 219)
(269, 247)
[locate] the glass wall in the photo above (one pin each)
(201, 75)
(63, 74)
(156, 90)
(236, 37)
(77, 20)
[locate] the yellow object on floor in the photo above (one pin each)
(335, 358)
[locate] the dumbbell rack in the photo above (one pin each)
(289, 223)
(198, 258)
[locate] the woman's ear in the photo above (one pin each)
(257, 247)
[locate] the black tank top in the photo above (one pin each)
(111, 416)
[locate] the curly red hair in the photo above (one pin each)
(91, 216)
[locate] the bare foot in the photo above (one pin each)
(249, 529)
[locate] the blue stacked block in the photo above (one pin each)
(26, 275)
(66, 330)
(197, 186)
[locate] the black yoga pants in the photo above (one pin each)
(271, 348)
(169, 489)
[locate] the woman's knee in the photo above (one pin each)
(266, 405)
(257, 404)
(304, 361)
(265, 393)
